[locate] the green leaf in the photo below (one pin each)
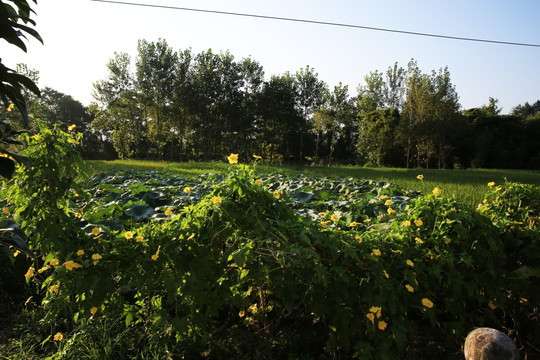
(129, 317)
(302, 196)
(140, 212)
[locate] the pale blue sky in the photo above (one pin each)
(81, 36)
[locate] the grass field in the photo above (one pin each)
(467, 186)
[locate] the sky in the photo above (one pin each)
(81, 36)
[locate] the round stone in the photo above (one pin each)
(489, 344)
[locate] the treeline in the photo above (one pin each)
(181, 106)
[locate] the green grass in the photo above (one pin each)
(468, 186)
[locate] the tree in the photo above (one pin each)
(279, 121)
(156, 70)
(393, 87)
(378, 143)
(527, 110)
(334, 121)
(415, 108)
(118, 115)
(430, 112)
(310, 92)
(371, 97)
(492, 108)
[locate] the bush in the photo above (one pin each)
(239, 274)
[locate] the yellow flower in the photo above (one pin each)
(5, 210)
(367, 220)
(523, 301)
(382, 325)
(437, 191)
(409, 288)
(16, 253)
(390, 211)
(420, 177)
(376, 252)
(97, 257)
(43, 269)
(93, 310)
(418, 222)
(96, 231)
(388, 202)
(58, 337)
(257, 157)
(376, 310)
(491, 184)
(233, 158)
(10, 107)
(216, 200)
(80, 252)
(156, 255)
(334, 217)
(168, 211)
(397, 251)
(384, 197)
(499, 188)
(139, 238)
(407, 223)
(54, 262)
(70, 265)
(29, 273)
(371, 317)
(353, 224)
(258, 182)
(491, 305)
(324, 223)
(241, 313)
(418, 240)
(410, 263)
(187, 189)
(358, 238)
(71, 127)
(128, 235)
(386, 274)
(427, 303)
(277, 193)
(53, 288)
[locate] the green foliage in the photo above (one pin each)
(245, 265)
(515, 210)
(41, 199)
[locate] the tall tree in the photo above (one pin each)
(117, 112)
(279, 120)
(310, 92)
(393, 87)
(378, 144)
(156, 70)
(334, 120)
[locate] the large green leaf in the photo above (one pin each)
(140, 212)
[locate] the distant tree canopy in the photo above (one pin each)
(181, 106)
